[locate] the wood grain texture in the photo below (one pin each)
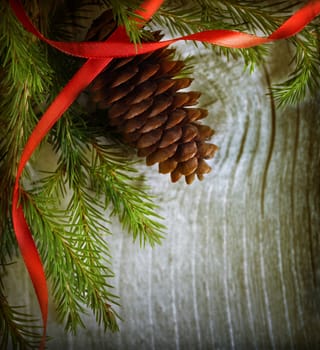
(239, 268)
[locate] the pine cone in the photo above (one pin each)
(146, 108)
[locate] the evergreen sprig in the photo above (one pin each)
(125, 194)
(71, 239)
(182, 18)
(72, 244)
(305, 77)
(261, 17)
(25, 77)
(78, 261)
(70, 208)
(17, 328)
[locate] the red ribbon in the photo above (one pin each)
(99, 55)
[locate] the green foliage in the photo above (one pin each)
(125, 194)
(72, 244)
(78, 262)
(94, 178)
(17, 328)
(67, 208)
(190, 17)
(25, 79)
(305, 77)
(124, 15)
(260, 17)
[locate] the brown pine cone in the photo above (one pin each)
(146, 108)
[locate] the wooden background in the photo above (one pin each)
(239, 268)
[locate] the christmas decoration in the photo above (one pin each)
(98, 175)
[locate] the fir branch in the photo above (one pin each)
(77, 233)
(305, 77)
(25, 80)
(16, 327)
(124, 14)
(124, 192)
(88, 222)
(137, 206)
(75, 255)
(8, 242)
(110, 174)
(182, 18)
(72, 140)
(262, 16)
(190, 17)
(256, 17)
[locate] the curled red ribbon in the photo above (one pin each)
(99, 55)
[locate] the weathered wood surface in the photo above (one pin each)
(239, 268)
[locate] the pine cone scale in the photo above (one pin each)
(167, 166)
(203, 167)
(122, 62)
(164, 85)
(117, 109)
(141, 93)
(145, 152)
(154, 123)
(176, 117)
(123, 76)
(166, 67)
(132, 125)
(189, 133)
(161, 104)
(175, 175)
(182, 83)
(171, 136)
(138, 108)
(110, 97)
(186, 151)
(180, 100)
(149, 139)
(161, 154)
(194, 114)
(207, 151)
(205, 132)
(188, 167)
(190, 178)
(148, 71)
